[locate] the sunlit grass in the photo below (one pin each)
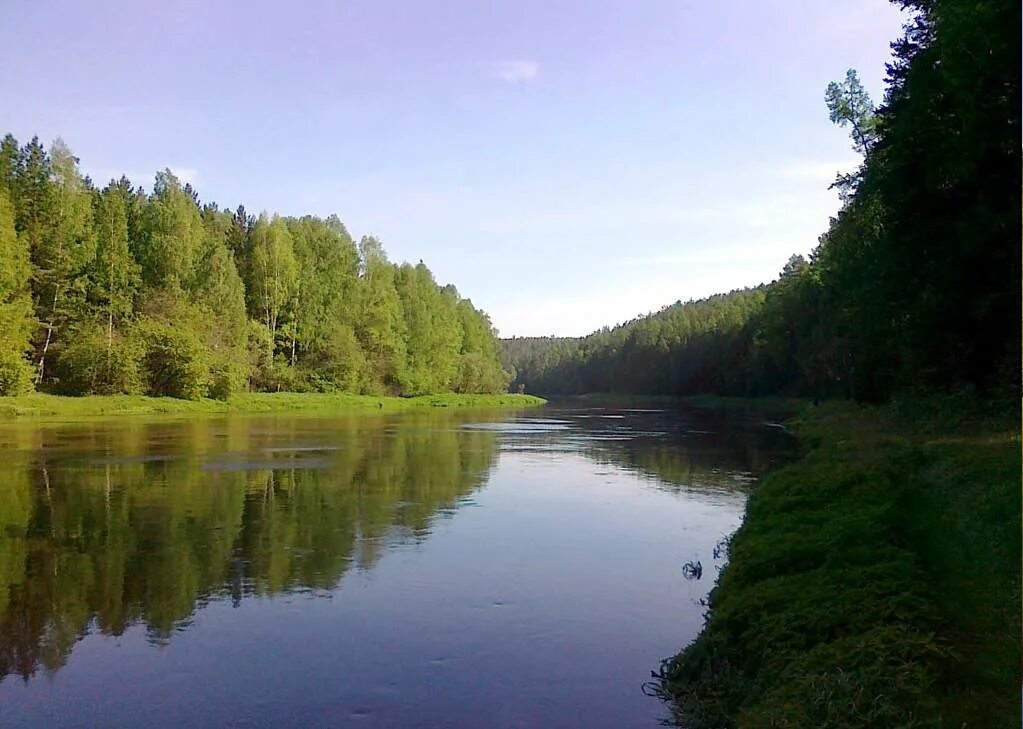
(42, 405)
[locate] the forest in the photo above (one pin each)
(914, 287)
(115, 290)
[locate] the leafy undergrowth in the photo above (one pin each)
(874, 583)
(42, 405)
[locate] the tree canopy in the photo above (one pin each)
(117, 290)
(915, 284)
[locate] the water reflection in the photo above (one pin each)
(691, 449)
(110, 524)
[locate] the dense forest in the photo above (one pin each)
(116, 290)
(914, 286)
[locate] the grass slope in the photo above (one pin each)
(40, 405)
(874, 583)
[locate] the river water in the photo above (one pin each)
(442, 569)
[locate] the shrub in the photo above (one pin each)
(94, 362)
(176, 361)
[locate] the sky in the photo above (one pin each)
(567, 165)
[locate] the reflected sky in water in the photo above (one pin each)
(434, 569)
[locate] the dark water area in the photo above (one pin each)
(429, 570)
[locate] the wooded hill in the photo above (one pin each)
(914, 286)
(117, 290)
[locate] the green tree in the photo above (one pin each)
(479, 361)
(272, 273)
(10, 158)
(380, 328)
(433, 330)
(16, 320)
(64, 249)
(218, 291)
(172, 234)
(849, 104)
(325, 310)
(115, 274)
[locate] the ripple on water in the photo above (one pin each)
(520, 426)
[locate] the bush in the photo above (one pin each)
(339, 365)
(259, 351)
(15, 327)
(95, 363)
(15, 374)
(227, 376)
(176, 361)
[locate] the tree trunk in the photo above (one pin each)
(110, 341)
(49, 335)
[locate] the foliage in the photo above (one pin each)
(174, 360)
(686, 348)
(914, 287)
(98, 362)
(854, 594)
(16, 320)
(122, 287)
(849, 103)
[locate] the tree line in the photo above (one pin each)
(914, 286)
(116, 290)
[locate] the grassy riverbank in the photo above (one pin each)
(54, 406)
(875, 582)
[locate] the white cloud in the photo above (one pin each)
(516, 71)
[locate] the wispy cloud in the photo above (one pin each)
(516, 71)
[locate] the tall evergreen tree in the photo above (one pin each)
(172, 234)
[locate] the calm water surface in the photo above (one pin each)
(448, 570)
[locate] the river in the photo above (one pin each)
(442, 569)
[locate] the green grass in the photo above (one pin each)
(39, 405)
(875, 581)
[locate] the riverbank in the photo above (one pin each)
(38, 405)
(775, 404)
(875, 581)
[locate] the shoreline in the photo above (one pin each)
(874, 582)
(39, 406)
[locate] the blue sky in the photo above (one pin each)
(565, 164)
